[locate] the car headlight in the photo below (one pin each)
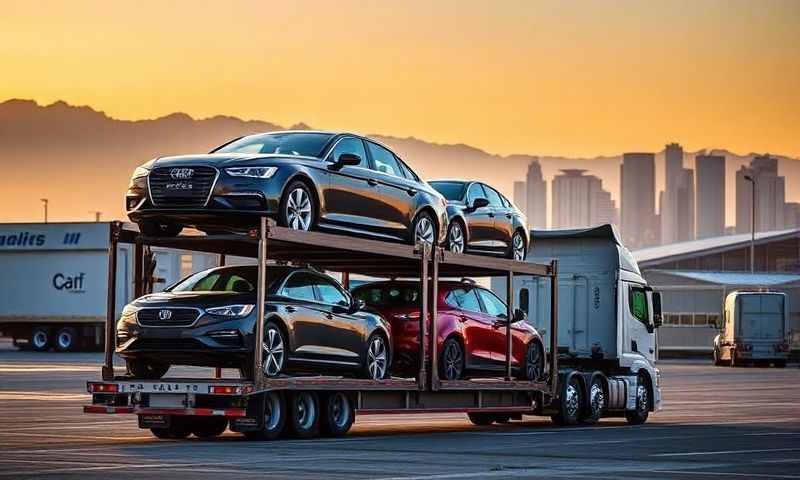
(252, 172)
(232, 311)
(140, 172)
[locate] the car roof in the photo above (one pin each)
(449, 284)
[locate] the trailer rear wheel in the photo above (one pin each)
(67, 339)
(639, 415)
(178, 428)
(480, 418)
(146, 370)
(596, 400)
(207, 427)
(274, 418)
(304, 414)
(338, 415)
(571, 403)
(40, 339)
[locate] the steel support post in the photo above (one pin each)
(423, 319)
(111, 301)
(346, 280)
(510, 313)
(258, 341)
(434, 329)
(553, 326)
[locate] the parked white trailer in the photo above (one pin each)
(55, 282)
(754, 329)
(607, 314)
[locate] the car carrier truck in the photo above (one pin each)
(306, 406)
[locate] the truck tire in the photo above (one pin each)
(67, 339)
(304, 414)
(274, 418)
(481, 419)
(338, 415)
(178, 428)
(639, 415)
(208, 427)
(40, 339)
(595, 400)
(502, 418)
(146, 370)
(780, 363)
(715, 358)
(571, 403)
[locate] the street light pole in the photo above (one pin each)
(45, 201)
(752, 223)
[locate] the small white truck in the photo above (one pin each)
(753, 330)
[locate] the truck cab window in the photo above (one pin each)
(637, 299)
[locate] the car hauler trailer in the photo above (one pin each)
(262, 407)
(608, 316)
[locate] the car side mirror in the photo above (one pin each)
(479, 203)
(520, 315)
(357, 305)
(347, 159)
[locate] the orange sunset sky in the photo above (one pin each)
(543, 77)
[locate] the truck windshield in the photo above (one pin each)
(293, 143)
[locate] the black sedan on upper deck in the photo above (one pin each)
(303, 179)
(483, 220)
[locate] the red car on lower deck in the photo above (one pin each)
(471, 330)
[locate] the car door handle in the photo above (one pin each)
(462, 318)
(508, 215)
(372, 182)
(411, 192)
(291, 309)
(329, 316)
(491, 215)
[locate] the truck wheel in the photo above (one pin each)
(274, 418)
(480, 418)
(207, 427)
(67, 339)
(338, 416)
(40, 339)
(178, 428)
(715, 358)
(571, 403)
(596, 401)
(780, 363)
(502, 418)
(304, 414)
(146, 370)
(733, 362)
(639, 415)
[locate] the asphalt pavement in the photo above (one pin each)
(718, 422)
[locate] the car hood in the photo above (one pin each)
(221, 160)
(194, 299)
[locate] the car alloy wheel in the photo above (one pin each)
(455, 238)
(518, 244)
(424, 230)
(377, 358)
(299, 211)
(534, 362)
(273, 351)
(452, 360)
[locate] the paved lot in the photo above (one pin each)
(718, 423)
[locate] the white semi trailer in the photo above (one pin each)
(607, 320)
(754, 329)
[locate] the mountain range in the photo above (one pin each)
(81, 159)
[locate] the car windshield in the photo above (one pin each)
(230, 279)
(294, 143)
(388, 295)
(450, 190)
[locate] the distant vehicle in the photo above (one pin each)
(305, 180)
(208, 319)
(472, 330)
(482, 220)
(754, 329)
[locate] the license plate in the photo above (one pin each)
(167, 400)
(153, 421)
(163, 387)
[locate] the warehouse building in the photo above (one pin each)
(696, 276)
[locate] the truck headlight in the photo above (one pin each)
(252, 172)
(231, 311)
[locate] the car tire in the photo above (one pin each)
(518, 249)
(643, 402)
(304, 414)
(533, 369)
(155, 229)
(298, 209)
(146, 370)
(480, 418)
(376, 359)
(451, 360)
(275, 349)
(424, 230)
(338, 415)
(274, 421)
(209, 427)
(40, 339)
(67, 339)
(571, 405)
(456, 237)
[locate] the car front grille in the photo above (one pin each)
(177, 317)
(176, 187)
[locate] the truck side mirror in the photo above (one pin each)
(657, 317)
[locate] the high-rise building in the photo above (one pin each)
(580, 201)
(770, 195)
(536, 196)
(791, 215)
(710, 187)
(676, 209)
(521, 196)
(638, 184)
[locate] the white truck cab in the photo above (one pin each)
(753, 329)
